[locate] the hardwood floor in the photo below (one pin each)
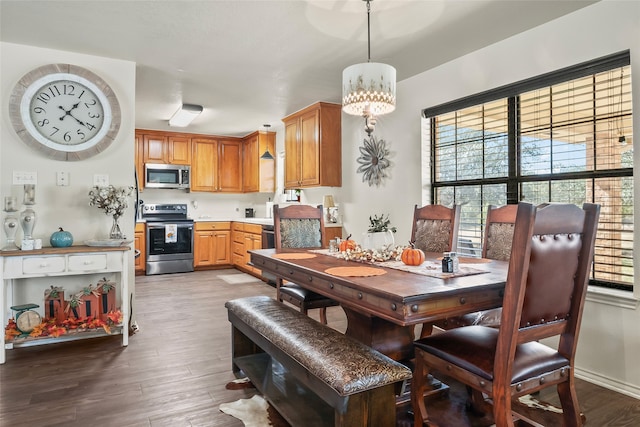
(174, 371)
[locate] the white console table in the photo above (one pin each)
(15, 266)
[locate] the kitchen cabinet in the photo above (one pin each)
(21, 272)
(139, 160)
(212, 244)
(259, 175)
(216, 165)
(166, 148)
(139, 240)
(245, 237)
(313, 147)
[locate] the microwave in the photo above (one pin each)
(167, 176)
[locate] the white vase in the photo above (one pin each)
(378, 240)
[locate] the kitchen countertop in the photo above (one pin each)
(259, 221)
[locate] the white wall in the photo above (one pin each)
(68, 207)
(609, 343)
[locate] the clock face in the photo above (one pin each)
(65, 111)
(28, 320)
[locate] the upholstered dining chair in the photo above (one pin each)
(545, 291)
(300, 226)
(435, 229)
(498, 235)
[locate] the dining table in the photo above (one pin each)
(384, 301)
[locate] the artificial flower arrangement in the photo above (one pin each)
(113, 201)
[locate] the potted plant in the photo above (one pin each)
(379, 234)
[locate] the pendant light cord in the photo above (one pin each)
(368, 30)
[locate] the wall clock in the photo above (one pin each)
(65, 111)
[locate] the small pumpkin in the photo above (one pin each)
(61, 239)
(347, 244)
(412, 255)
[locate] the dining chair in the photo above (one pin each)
(435, 229)
(300, 226)
(498, 236)
(544, 296)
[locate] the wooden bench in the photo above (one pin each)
(312, 374)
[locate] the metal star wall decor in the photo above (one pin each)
(373, 161)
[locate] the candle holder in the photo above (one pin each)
(28, 221)
(10, 222)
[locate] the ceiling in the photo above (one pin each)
(254, 62)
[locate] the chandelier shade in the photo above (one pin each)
(369, 89)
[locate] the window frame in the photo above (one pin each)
(514, 178)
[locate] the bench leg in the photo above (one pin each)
(241, 345)
(373, 408)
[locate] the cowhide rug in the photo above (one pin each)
(253, 412)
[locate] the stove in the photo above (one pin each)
(169, 241)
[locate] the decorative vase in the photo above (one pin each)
(10, 229)
(116, 233)
(378, 240)
(28, 221)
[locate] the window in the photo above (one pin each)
(562, 137)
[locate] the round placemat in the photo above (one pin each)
(355, 271)
(293, 255)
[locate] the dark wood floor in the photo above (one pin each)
(174, 371)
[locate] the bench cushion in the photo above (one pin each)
(343, 363)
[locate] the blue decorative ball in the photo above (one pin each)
(61, 239)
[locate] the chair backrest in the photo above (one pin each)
(435, 228)
(546, 285)
(298, 226)
(498, 232)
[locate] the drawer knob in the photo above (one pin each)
(44, 264)
(88, 262)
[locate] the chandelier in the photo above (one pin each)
(369, 89)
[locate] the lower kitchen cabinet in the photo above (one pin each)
(246, 237)
(140, 246)
(212, 244)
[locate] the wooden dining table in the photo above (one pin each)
(383, 305)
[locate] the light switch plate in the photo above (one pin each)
(22, 177)
(62, 179)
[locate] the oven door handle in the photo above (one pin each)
(162, 226)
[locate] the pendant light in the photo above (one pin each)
(267, 155)
(369, 89)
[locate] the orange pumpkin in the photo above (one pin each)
(412, 255)
(347, 244)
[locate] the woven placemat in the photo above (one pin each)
(355, 271)
(293, 255)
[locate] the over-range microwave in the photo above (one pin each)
(167, 176)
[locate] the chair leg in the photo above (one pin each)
(502, 415)
(323, 315)
(418, 388)
(569, 402)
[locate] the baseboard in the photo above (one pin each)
(630, 390)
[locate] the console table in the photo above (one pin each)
(17, 266)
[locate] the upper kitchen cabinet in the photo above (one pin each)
(160, 147)
(216, 165)
(313, 147)
(259, 174)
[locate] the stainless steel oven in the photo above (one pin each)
(169, 242)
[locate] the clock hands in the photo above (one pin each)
(68, 113)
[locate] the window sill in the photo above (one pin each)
(615, 297)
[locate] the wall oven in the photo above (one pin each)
(169, 241)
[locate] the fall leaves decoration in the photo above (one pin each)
(92, 308)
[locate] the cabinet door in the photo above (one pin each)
(203, 165)
(179, 150)
(230, 166)
(139, 244)
(139, 155)
(203, 248)
(155, 149)
(310, 148)
(222, 243)
(250, 156)
(292, 155)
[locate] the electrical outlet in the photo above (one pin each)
(100, 180)
(62, 179)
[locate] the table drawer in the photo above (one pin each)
(238, 248)
(237, 226)
(43, 265)
(87, 262)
